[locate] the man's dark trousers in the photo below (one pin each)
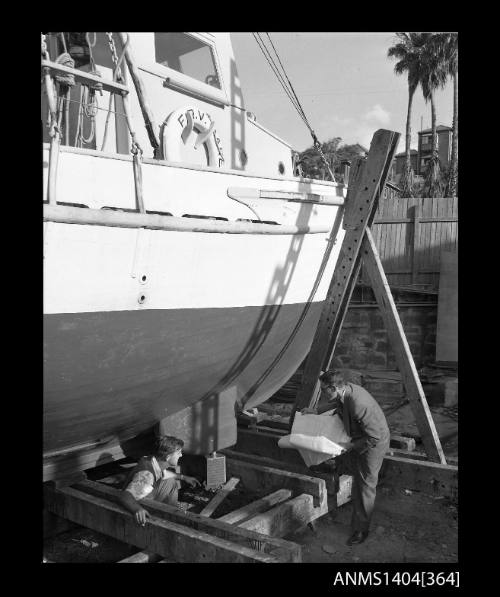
(364, 468)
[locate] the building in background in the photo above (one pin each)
(399, 162)
(444, 134)
(420, 158)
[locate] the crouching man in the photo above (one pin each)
(154, 477)
(365, 423)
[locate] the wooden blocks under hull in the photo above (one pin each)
(170, 533)
(253, 533)
(402, 469)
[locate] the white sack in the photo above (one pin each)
(318, 437)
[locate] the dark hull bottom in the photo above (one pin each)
(117, 374)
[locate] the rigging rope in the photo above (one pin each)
(290, 91)
(117, 76)
(268, 57)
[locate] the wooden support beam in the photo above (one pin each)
(418, 456)
(142, 557)
(265, 444)
(419, 475)
(284, 518)
(265, 478)
(55, 525)
(269, 460)
(256, 443)
(339, 489)
(344, 490)
(286, 551)
(168, 539)
(402, 352)
(402, 442)
(360, 209)
(219, 497)
(257, 506)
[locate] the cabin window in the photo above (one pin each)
(187, 55)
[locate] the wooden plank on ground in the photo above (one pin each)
(142, 557)
(285, 550)
(284, 518)
(418, 456)
(399, 343)
(168, 539)
(257, 506)
(264, 478)
(219, 497)
(419, 475)
(345, 490)
(284, 465)
(400, 441)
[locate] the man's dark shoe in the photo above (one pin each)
(357, 537)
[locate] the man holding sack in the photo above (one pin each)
(365, 423)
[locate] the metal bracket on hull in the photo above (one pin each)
(141, 255)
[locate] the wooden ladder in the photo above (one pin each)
(367, 181)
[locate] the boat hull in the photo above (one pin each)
(174, 319)
(119, 373)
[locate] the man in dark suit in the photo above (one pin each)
(365, 423)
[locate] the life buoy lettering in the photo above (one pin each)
(191, 125)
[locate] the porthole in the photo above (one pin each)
(143, 279)
(281, 168)
(243, 158)
(141, 299)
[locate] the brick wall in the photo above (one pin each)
(363, 343)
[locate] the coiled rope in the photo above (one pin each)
(88, 100)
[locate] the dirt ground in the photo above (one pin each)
(405, 528)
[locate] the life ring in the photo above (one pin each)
(191, 125)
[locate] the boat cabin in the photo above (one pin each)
(183, 86)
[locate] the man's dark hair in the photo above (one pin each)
(333, 377)
(167, 444)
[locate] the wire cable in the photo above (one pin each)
(290, 91)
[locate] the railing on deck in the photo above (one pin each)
(50, 71)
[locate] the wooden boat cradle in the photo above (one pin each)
(253, 533)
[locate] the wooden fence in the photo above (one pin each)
(410, 235)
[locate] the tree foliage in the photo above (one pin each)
(313, 166)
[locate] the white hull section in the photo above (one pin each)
(103, 180)
(97, 268)
(94, 268)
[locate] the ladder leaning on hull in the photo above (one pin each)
(367, 182)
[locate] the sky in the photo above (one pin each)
(344, 81)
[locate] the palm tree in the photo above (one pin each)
(433, 76)
(447, 46)
(408, 50)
